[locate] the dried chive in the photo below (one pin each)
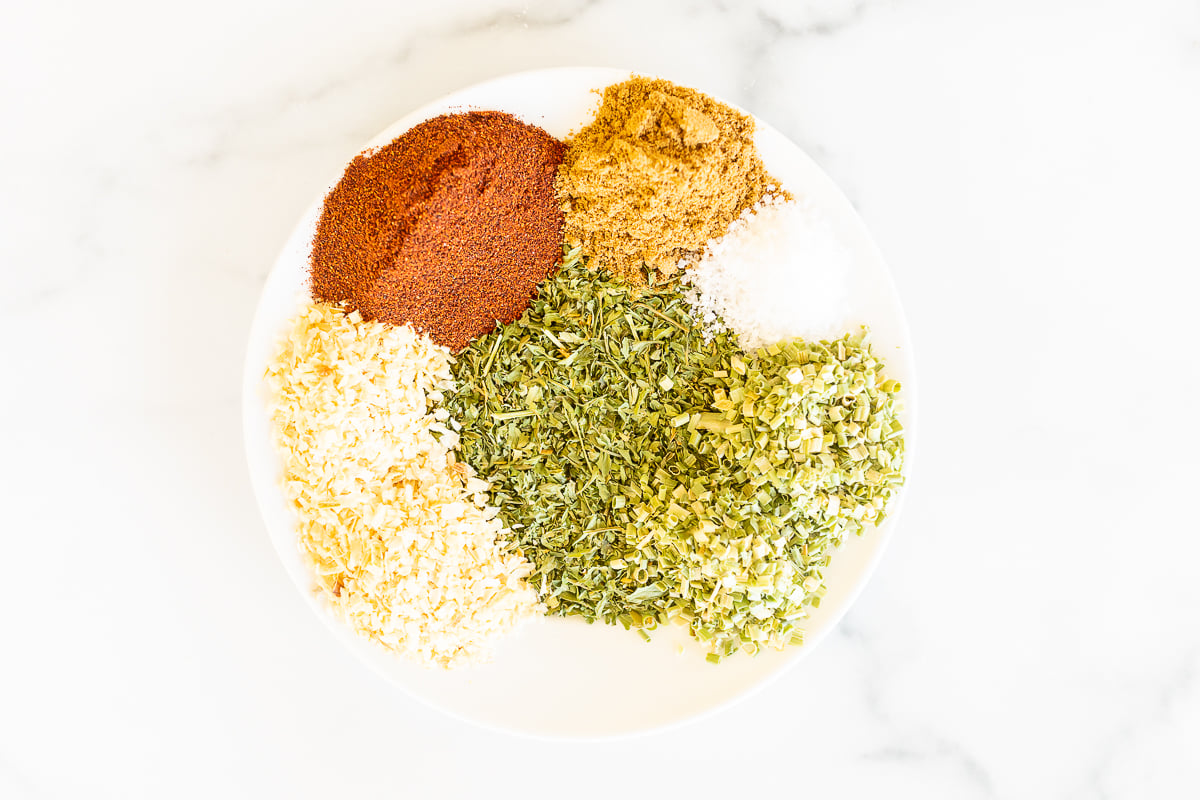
(650, 475)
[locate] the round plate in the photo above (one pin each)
(562, 677)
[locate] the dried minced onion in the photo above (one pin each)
(397, 532)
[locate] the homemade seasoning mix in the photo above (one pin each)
(568, 379)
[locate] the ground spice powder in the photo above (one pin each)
(661, 171)
(449, 228)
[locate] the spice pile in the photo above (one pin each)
(779, 273)
(474, 435)
(652, 476)
(398, 532)
(659, 172)
(449, 228)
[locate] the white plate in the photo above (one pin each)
(561, 677)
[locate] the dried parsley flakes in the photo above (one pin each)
(652, 476)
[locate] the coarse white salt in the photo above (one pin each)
(780, 272)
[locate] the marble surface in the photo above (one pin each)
(1029, 169)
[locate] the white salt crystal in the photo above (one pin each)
(781, 272)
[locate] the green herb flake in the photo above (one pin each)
(651, 476)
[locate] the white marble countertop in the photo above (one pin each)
(1030, 170)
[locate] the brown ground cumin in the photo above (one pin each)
(661, 171)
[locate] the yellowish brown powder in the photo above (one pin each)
(661, 171)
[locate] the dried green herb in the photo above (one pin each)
(652, 476)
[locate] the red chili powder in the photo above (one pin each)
(449, 228)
